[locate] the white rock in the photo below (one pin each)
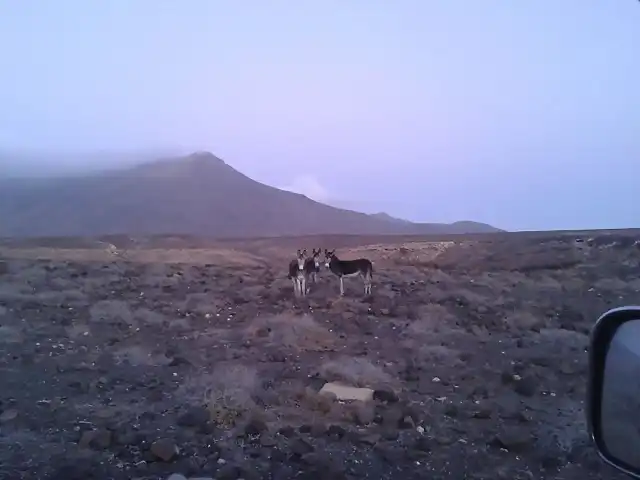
(176, 476)
(345, 392)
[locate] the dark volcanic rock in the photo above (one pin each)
(527, 386)
(164, 449)
(514, 439)
(194, 417)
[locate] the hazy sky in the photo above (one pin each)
(523, 114)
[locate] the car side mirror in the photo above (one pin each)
(613, 396)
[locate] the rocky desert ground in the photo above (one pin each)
(147, 358)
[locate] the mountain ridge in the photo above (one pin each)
(198, 194)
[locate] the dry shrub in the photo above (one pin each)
(544, 259)
(292, 332)
(137, 355)
(419, 253)
(112, 312)
(199, 304)
(523, 320)
(10, 334)
(438, 276)
(149, 317)
(611, 285)
(170, 280)
(437, 355)
(30, 272)
(228, 392)
(560, 338)
(21, 292)
(181, 324)
(499, 284)
(315, 401)
(76, 331)
(100, 282)
(63, 283)
(355, 371)
(470, 298)
(432, 318)
(54, 298)
(11, 292)
(210, 334)
(634, 285)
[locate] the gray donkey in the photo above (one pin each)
(297, 274)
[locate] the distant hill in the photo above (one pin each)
(195, 195)
(388, 218)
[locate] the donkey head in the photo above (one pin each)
(328, 256)
(316, 257)
(301, 257)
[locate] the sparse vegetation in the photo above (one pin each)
(216, 360)
(292, 333)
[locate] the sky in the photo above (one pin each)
(522, 114)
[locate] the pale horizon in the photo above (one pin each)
(520, 115)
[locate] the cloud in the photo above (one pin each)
(309, 186)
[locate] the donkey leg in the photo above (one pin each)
(341, 287)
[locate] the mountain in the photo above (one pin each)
(198, 194)
(388, 218)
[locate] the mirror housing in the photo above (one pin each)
(613, 393)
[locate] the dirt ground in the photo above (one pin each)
(142, 358)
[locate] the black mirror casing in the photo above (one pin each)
(602, 335)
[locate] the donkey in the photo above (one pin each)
(297, 273)
(312, 265)
(350, 268)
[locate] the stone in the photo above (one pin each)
(385, 395)
(165, 449)
(95, 439)
(301, 447)
(526, 386)
(369, 438)
(345, 392)
(513, 439)
(406, 422)
(318, 429)
(392, 417)
(287, 431)
(482, 413)
(364, 414)
(176, 476)
(255, 426)
(336, 431)
(390, 434)
(8, 415)
(228, 472)
(194, 417)
(423, 444)
(267, 441)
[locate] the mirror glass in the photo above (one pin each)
(620, 407)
